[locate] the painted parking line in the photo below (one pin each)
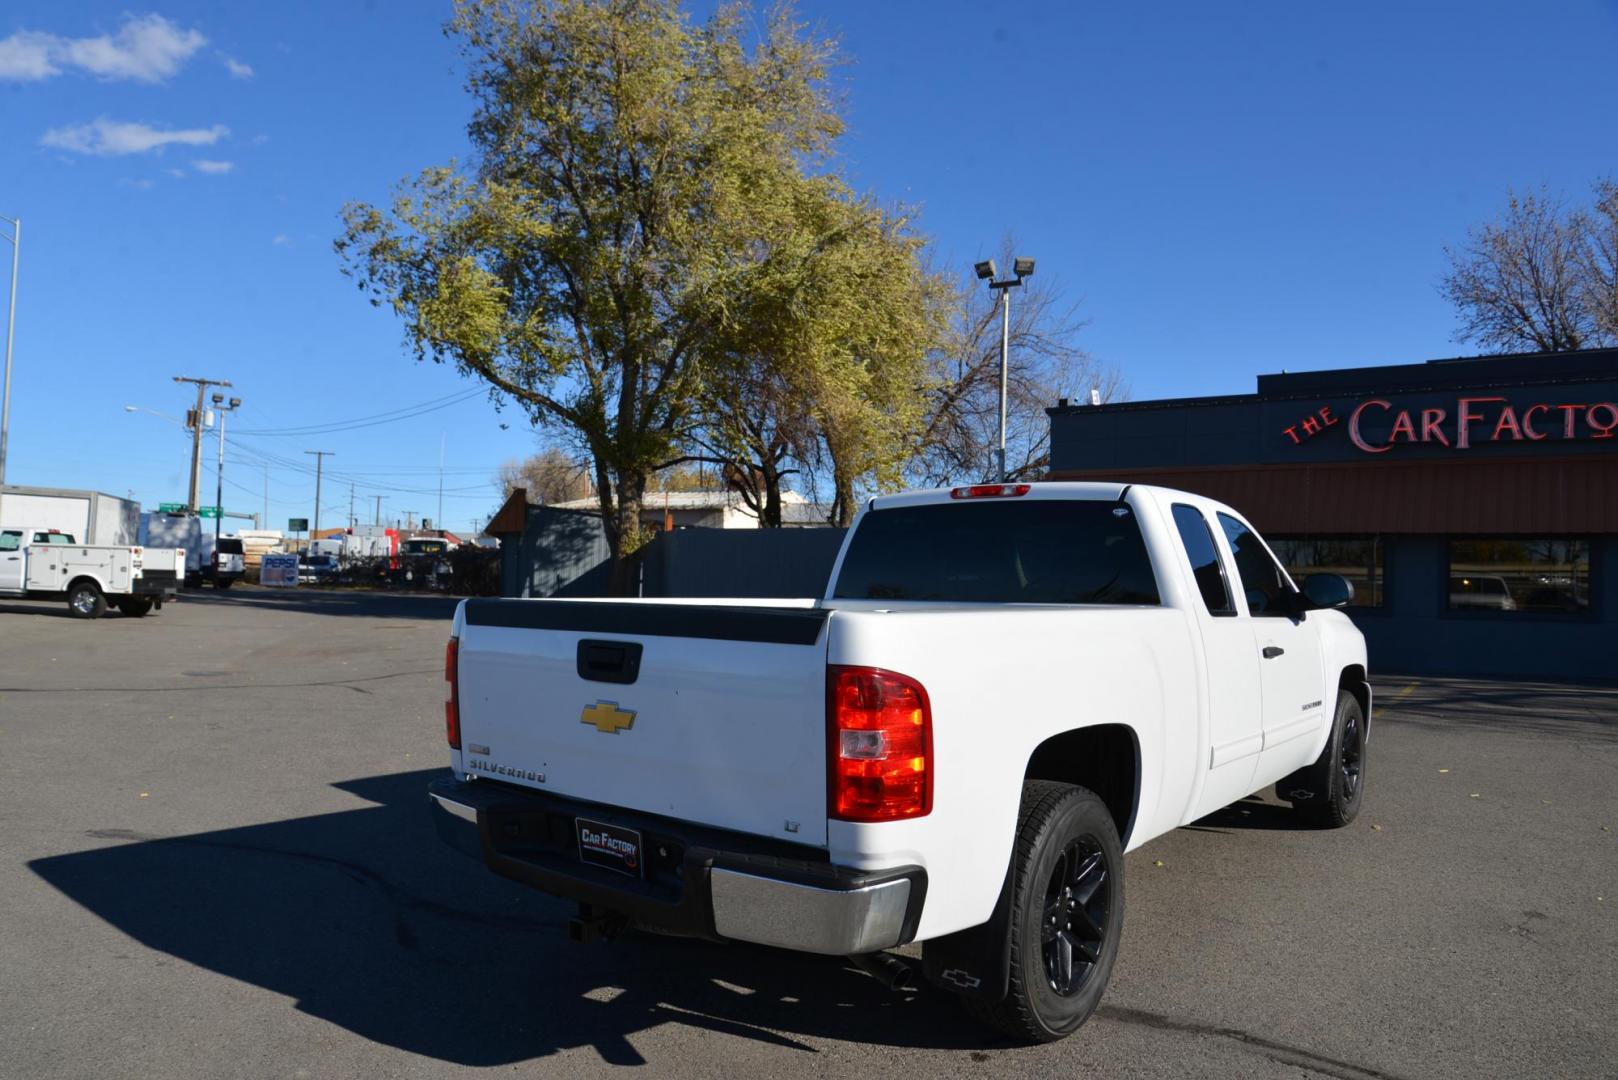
(1401, 695)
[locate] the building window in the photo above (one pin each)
(1520, 575)
(1357, 558)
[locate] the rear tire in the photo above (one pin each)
(84, 601)
(221, 583)
(134, 607)
(1328, 793)
(1067, 914)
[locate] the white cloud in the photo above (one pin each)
(113, 137)
(213, 168)
(281, 239)
(178, 174)
(237, 69)
(146, 48)
(26, 57)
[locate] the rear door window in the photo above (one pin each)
(10, 541)
(52, 538)
(1026, 551)
(1206, 566)
(228, 546)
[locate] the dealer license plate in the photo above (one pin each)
(611, 846)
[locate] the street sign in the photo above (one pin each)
(297, 525)
(208, 511)
(171, 508)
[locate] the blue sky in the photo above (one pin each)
(1231, 189)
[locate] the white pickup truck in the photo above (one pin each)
(47, 564)
(1004, 689)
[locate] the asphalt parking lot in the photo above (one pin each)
(216, 861)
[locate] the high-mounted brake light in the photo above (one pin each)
(989, 491)
(880, 750)
(452, 703)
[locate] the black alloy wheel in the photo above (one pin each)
(1328, 794)
(1075, 919)
(1065, 915)
(1352, 753)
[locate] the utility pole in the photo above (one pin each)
(351, 506)
(266, 493)
(320, 459)
(219, 509)
(376, 519)
(410, 519)
(11, 332)
(196, 435)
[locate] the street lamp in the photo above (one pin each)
(1020, 268)
(11, 332)
(219, 490)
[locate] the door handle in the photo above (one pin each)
(1272, 651)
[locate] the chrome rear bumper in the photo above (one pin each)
(748, 890)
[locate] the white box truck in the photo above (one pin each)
(92, 516)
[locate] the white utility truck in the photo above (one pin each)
(41, 563)
(1004, 688)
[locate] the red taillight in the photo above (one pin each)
(989, 491)
(881, 745)
(452, 703)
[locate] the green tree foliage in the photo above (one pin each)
(628, 170)
(825, 358)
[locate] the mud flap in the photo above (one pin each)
(976, 961)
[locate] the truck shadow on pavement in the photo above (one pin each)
(369, 923)
(361, 603)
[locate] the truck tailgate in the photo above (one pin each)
(717, 714)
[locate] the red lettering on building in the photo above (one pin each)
(1528, 421)
(1507, 422)
(1402, 428)
(1432, 426)
(1512, 423)
(1569, 413)
(1354, 426)
(1464, 417)
(1603, 431)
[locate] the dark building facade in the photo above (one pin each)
(1472, 502)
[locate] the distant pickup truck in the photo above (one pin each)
(1005, 687)
(47, 564)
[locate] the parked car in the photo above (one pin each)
(42, 563)
(1480, 591)
(1004, 688)
(318, 569)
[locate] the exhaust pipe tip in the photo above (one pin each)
(888, 970)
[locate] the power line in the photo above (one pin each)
(390, 416)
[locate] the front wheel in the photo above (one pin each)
(84, 601)
(1328, 793)
(1067, 913)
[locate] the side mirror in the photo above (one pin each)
(1327, 591)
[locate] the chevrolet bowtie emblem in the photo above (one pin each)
(607, 717)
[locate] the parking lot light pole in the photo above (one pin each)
(11, 333)
(985, 270)
(219, 491)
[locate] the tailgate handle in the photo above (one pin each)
(609, 661)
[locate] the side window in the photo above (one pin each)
(10, 541)
(1204, 555)
(1263, 583)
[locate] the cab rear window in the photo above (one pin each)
(1034, 551)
